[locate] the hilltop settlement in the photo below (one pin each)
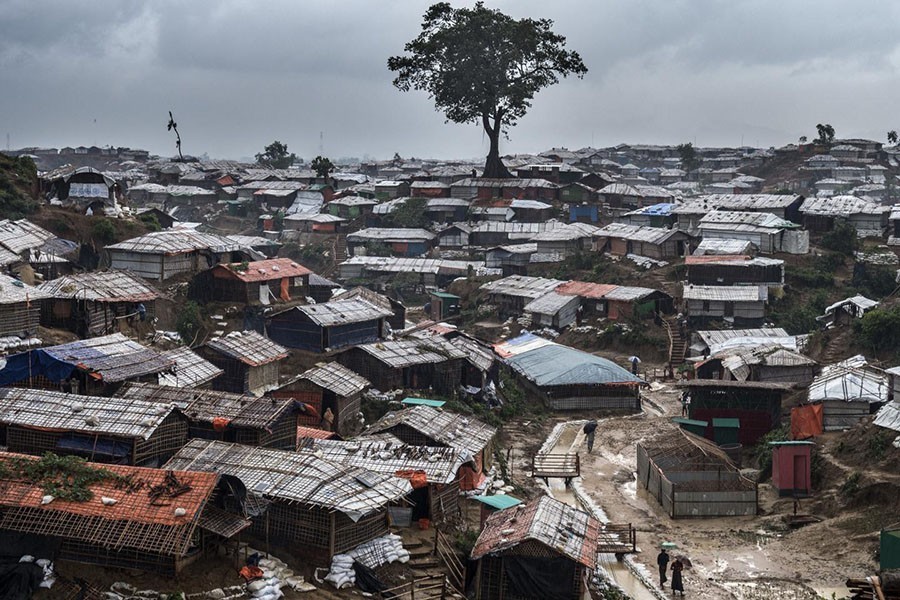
(402, 379)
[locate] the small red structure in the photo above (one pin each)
(791, 473)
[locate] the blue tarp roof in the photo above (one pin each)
(663, 209)
(498, 501)
(555, 364)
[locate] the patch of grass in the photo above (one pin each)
(877, 445)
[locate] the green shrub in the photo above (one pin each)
(762, 451)
(880, 329)
(103, 231)
(842, 238)
(851, 486)
(189, 323)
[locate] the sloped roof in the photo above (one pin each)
(101, 286)
(190, 370)
(336, 378)
(135, 521)
(725, 293)
(21, 235)
(341, 312)
(248, 347)
(440, 463)
(176, 241)
(562, 528)
(851, 380)
(296, 477)
(390, 235)
(406, 352)
(555, 364)
(111, 358)
(738, 218)
(842, 206)
(444, 427)
(46, 409)
(264, 270)
(521, 285)
(585, 289)
(550, 303)
(637, 233)
(12, 291)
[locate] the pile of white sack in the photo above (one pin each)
(46, 565)
(276, 574)
(372, 554)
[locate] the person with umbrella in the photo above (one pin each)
(635, 361)
(590, 428)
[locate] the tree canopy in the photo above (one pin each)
(826, 133)
(276, 156)
(690, 160)
(892, 136)
(482, 66)
(322, 166)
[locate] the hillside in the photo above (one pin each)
(18, 187)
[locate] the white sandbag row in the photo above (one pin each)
(276, 575)
(374, 553)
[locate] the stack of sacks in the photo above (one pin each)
(372, 554)
(275, 572)
(49, 576)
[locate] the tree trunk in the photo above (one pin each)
(493, 166)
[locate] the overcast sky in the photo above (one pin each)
(239, 74)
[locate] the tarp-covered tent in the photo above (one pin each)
(849, 390)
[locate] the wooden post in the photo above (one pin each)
(412, 589)
(267, 531)
(331, 536)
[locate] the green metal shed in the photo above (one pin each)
(726, 431)
(692, 425)
(889, 551)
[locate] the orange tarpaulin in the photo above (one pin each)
(806, 421)
(285, 289)
(418, 479)
(220, 423)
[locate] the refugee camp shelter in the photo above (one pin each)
(512, 293)
(734, 270)
(765, 362)
(397, 318)
(251, 362)
(189, 371)
(766, 231)
(443, 305)
(96, 365)
(621, 239)
(134, 529)
(408, 363)
(408, 242)
(328, 326)
(163, 254)
(849, 392)
(327, 386)
(757, 405)
(791, 468)
(20, 307)
(433, 471)
(569, 379)
(845, 311)
(742, 305)
(95, 303)
(316, 506)
(553, 310)
(258, 282)
(109, 430)
(427, 426)
(216, 415)
(692, 477)
(543, 549)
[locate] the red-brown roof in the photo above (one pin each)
(262, 270)
(708, 258)
(312, 432)
(585, 289)
(135, 506)
(560, 527)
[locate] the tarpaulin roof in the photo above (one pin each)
(110, 358)
(851, 380)
(554, 364)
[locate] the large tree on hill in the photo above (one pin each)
(480, 65)
(276, 156)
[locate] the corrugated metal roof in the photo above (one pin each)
(298, 477)
(101, 286)
(550, 303)
(13, 291)
(390, 235)
(413, 351)
(626, 293)
(393, 264)
(522, 286)
(650, 235)
(341, 312)
(727, 293)
(248, 347)
(19, 236)
(560, 527)
(444, 427)
(557, 365)
(439, 463)
(721, 247)
(481, 357)
(176, 241)
(336, 378)
(574, 231)
(585, 289)
(842, 206)
(190, 370)
(45, 409)
(755, 219)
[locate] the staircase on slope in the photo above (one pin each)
(677, 342)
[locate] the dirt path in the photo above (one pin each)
(742, 558)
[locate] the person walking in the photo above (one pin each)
(662, 560)
(677, 568)
(590, 428)
(635, 361)
(685, 403)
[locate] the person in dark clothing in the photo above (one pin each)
(590, 428)
(634, 365)
(662, 559)
(142, 312)
(677, 568)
